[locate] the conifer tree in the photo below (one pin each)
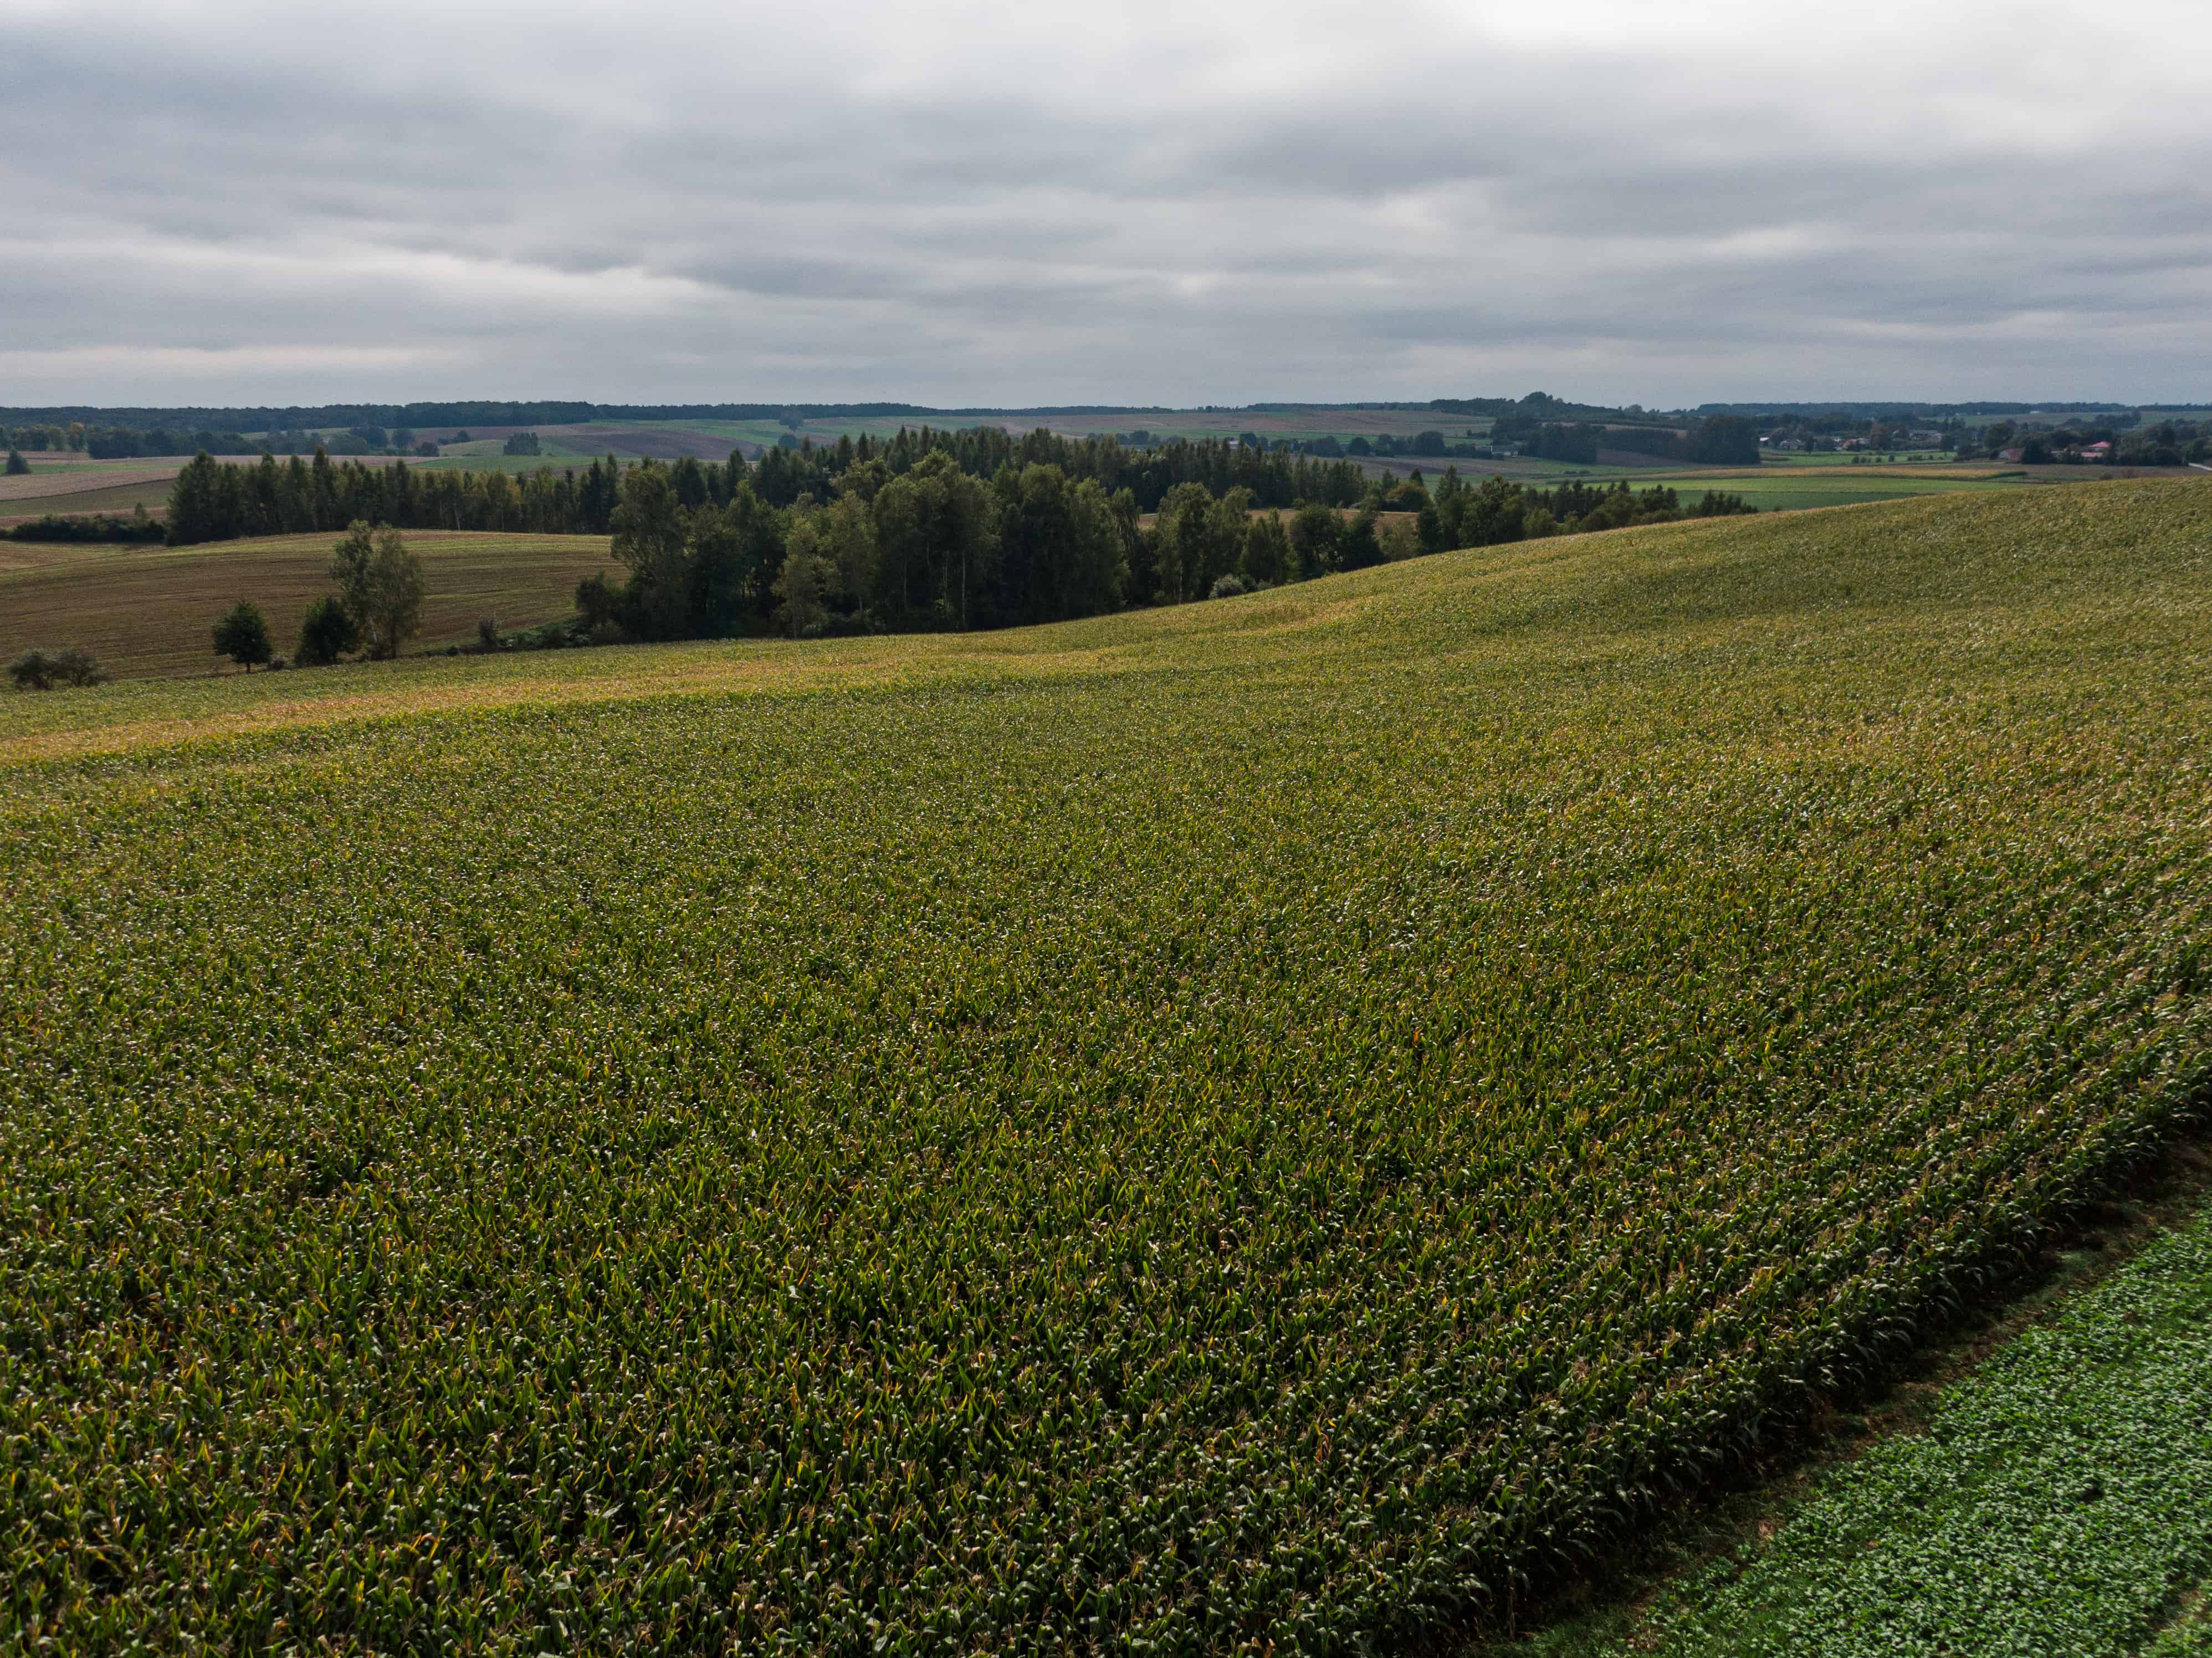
(328, 632)
(242, 635)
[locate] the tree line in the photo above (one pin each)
(123, 442)
(213, 501)
(1716, 440)
(2164, 443)
(936, 547)
(928, 530)
(83, 527)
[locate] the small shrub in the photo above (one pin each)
(1229, 586)
(599, 605)
(90, 527)
(277, 664)
(487, 632)
(46, 671)
(17, 466)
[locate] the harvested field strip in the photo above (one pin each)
(146, 611)
(1278, 1121)
(120, 499)
(62, 481)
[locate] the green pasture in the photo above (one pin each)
(1782, 490)
(1281, 1124)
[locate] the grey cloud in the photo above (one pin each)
(747, 203)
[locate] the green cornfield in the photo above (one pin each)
(1274, 1125)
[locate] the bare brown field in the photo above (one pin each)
(89, 475)
(659, 442)
(75, 484)
(121, 498)
(146, 613)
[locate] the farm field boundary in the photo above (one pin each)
(2060, 1499)
(1668, 1585)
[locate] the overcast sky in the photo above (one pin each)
(1662, 202)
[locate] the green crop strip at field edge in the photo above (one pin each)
(2060, 1501)
(1280, 1125)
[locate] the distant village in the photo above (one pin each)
(2124, 438)
(1884, 441)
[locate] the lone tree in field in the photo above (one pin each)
(16, 465)
(242, 635)
(381, 583)
(328, 632)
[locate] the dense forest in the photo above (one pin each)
(491, 411)
(105, 442)
(928, 530)
(213, 502)
(936, 547)
(1719, 441)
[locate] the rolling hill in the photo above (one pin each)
(1284, 1121)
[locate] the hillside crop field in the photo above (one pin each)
(1257, 1126)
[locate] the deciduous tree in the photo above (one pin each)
(381, 582)
(1266, 551)
(651, 531)
(1317, 538)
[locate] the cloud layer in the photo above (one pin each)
(999, 203)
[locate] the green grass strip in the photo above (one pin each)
(2061, 1501)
